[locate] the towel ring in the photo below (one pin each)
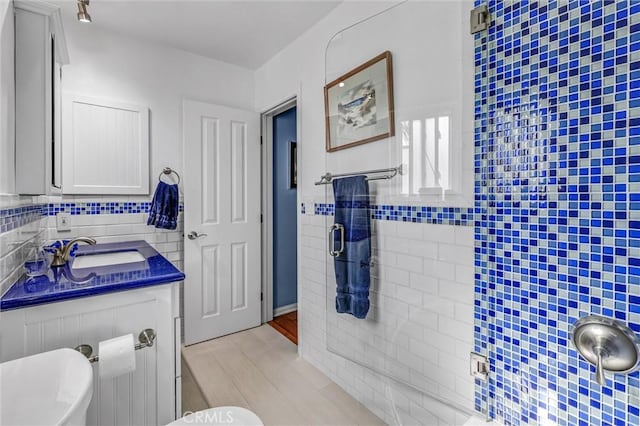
(168, 171)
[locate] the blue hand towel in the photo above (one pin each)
(164, 207)
(353, 265)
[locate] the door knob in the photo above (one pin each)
(193, 235)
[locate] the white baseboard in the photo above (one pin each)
(285, 309)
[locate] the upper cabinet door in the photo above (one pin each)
(40, 50)
(105, 147)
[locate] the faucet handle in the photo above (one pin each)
(54, 247)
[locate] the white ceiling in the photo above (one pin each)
(245, 33)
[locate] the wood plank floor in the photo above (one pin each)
(260, 369)
(287, 325)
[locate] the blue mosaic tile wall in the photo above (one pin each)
(558, 201)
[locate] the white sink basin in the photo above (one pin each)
(50, 388)
(106, 259)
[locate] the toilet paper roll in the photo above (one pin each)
(117, 356)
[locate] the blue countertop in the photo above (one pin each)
(64, 283)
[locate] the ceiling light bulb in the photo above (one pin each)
(83, 15)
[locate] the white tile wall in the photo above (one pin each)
(15, 247)
(18, 244)
(421, 326)
(109, 228)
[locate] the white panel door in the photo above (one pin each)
(221, 221)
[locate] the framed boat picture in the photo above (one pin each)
(359, 105)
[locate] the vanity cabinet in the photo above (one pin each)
(146, 396)
(40, 52)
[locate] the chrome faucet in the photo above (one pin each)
(61, 255)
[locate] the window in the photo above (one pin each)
(426, 154)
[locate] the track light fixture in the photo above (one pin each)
(83, 15)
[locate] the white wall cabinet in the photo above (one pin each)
(146, 396)
(40, 51)
(105, 146)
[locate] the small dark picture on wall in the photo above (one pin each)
(293, 165)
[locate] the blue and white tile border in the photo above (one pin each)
(15, 217)
(456, 216)
(101, 207)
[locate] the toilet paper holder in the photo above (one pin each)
(145, 339)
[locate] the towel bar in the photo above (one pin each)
(392, 172)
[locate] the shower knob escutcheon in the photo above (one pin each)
(608, 345)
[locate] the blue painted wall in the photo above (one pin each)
(558, 218)
(285, 255)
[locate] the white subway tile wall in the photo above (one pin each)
(421, 327)
(110, 228)
(18, 243)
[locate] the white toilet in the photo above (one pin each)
(47, 388)
(56, 388)
(220, 416)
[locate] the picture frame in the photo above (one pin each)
(293, 165)
(359, 105)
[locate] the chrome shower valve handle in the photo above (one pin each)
(608, 345)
